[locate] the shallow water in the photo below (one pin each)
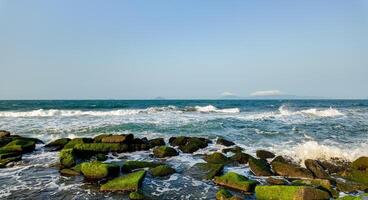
(298, 128)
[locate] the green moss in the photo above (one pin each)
(323, 184)
(132, 165)
(164, 151)
(59, 142)
(205, 170)
(260, 167)
(21, 145)
(136, 196)
(67, 158)
(162, 170)
(356, 175)
(94, 148)
(282, 192)
(235, 181)
(126, 183)
(223, 194)
(99, 170)
(216, 158)
(360, 163)
(77, 168)
(350, 186)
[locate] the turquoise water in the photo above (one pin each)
(297, 128)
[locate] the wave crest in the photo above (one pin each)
(211, 108)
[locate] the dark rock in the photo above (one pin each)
(4, 162)
(333, 168)
(58, 144)
(241, 158)
(235, 149)
(263, 154)
(224, 142)
(216, 158)
(291, 170)
(281, 159)
(164, 151)
(189, 144)
(162, 170)
(4, 133)
(260, 167)
(315, 167)
(178, 141)
(205, 170)
(156, 142)
(276, 181)
(101, 157)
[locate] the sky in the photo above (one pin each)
(86, 49)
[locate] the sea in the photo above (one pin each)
(300, 129)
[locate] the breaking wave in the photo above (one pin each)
(211, 108)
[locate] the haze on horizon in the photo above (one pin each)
(182, 49)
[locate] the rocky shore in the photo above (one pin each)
(285, 178)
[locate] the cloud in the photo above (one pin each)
(266, 93)
(227, 94)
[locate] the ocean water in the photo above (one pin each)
(318, 129)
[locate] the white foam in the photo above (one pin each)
(211, 108)
(330, 112)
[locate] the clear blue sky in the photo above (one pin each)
(73, 49)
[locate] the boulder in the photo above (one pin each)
(360, 164)
(277, 181)
(322, 184)
(178, 141)
(315, 167)
(216, 158)
(360, 176)
(164, 151)
(333, 168)
(136, 196)
(235, 149)
(189, 144)
(4, 133)
(124, 138)
(205, 170)
(241, 158)
(350, 186)
(282, 192)
(98, 138)
(76, 141)
(260, 167)
(22, 145)
(67, 158)
(224, 142)
(69, 172)
(127, 183)
(263, 154)
(98, 170)
(129, 166)
(162, 170)
(291, 170)
(156, 142)
(84, 150)
(235, 181)
(281, 159)
(58, 144)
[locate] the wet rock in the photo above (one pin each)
(277, 181)
(350, 186)
(360, 164)
(129, 166)
(241, 158)
(263, 154)
(235, 181)
(360, 176)
(291, 170)
(260, 167)
(322, 184)
(124, 138)
(69, 172)
(216, 158)
(224, 142)
(189, 144)
(58, 144)
(84, 150)
(315, 167)
(205, 170)
(127, 183)
(282, 192)
(101, 157)
(223, 194)
(4, 133)
(22, 145)
(6, 161)
(67, 158)
(235, 149)
(136, 196)
(164, 151)
(97, 170)
(162, 170)
(76, 141)
(156, 142)
(178, 141)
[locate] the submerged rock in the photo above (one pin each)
(291, 170)
(58, 144)
(224, 142)
(216, 158)
(260, 167)
(281, 192)
(127, 183)
(162, 170)
(263, 154)
(164, 151)
(235, 181)
(205, 170)
(67, 158)
(156, 142)
(133, 165)
(98, 170)
(315, 167)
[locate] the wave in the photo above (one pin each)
(211, 108)
(330, 112)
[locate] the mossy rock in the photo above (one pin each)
(315, 167)
(260, 167)
(67, 158)
(223, 194)
(95, 148)
(216, 158)
(77, 168)
(4, 162)
(101, 157)
(235, 181)
(263, 154)
(98, 138)
(23, 145)
(164, 151)
(322, 184)
(58, 144)
(4, 133)
(156, 142)
(127, 183)
(205, 170)
(282, 192)
(291, 170)
(360, 164)
(224, 142)
(359, 197)
(162, 170)
(136, 196)
(189, 144)
(276, 181)
(124, 138)
(69, 172)
(360, 176)
(99, 170)
(241, 158)
(76, 141)
(131, 165)
(350, 186)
